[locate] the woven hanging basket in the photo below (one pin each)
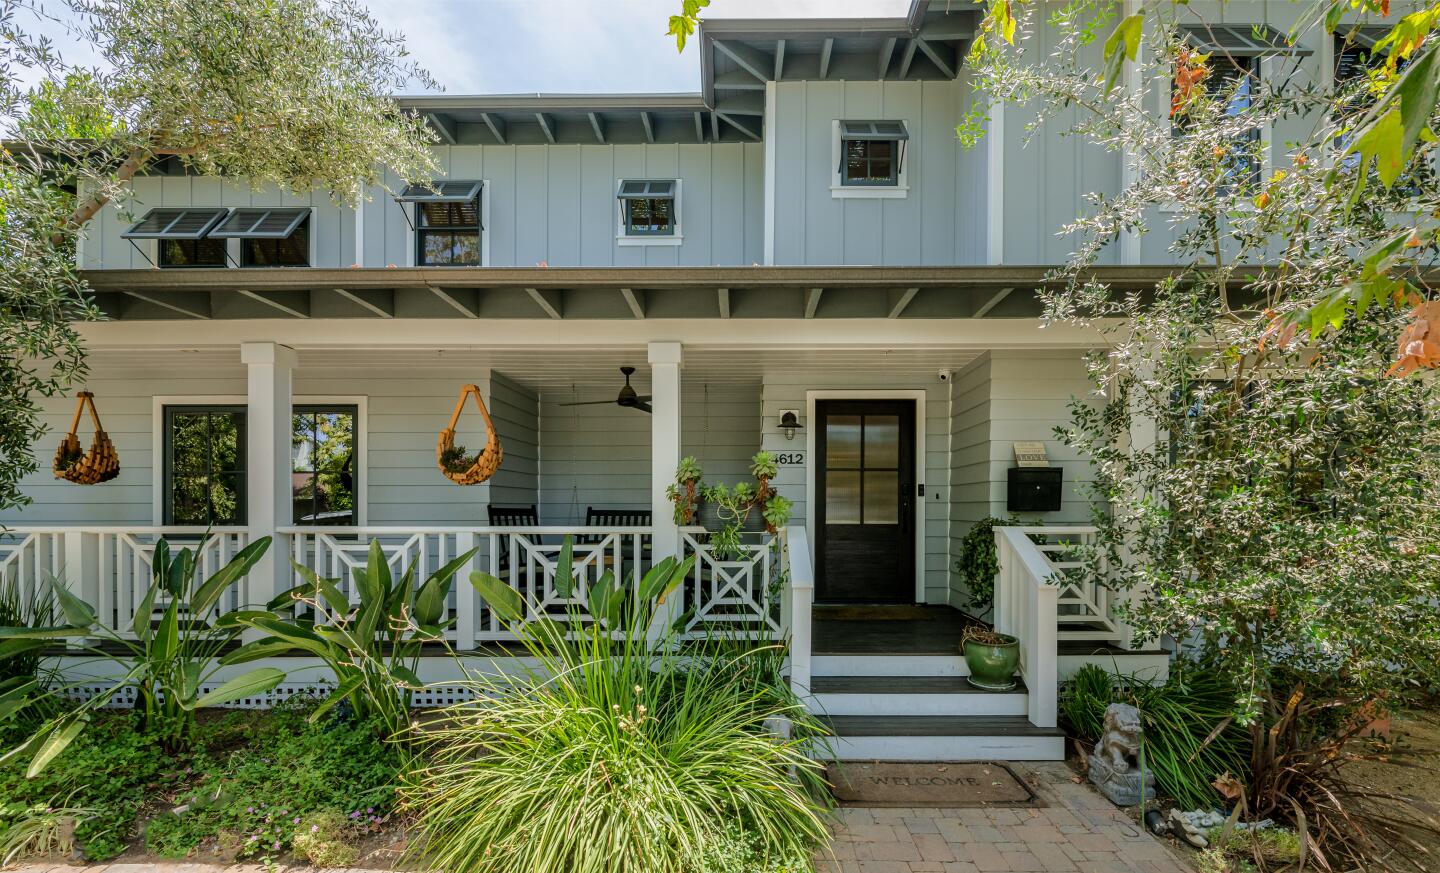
(100, 464)
(488, 460)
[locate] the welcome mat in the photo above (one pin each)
(882, 783)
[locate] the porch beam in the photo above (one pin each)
(549, 301)
(723, 295)
(293, 303)
(187, 306)
(597, 125)
(649, 126)
(887, 50)
(825, 48)
(898, 303)
(812, 301)
(547, 126)
(459, 305)
(752, 60)
(946, 66)
(444, 125)
(381, 303)
(632, 300)
(907, 57)
(496, 125)
(992, 302)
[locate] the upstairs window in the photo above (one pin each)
(269, 237)
(447, 223)
(872, 153)
(182, 236)
(648, 208)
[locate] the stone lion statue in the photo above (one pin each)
(1120, 739)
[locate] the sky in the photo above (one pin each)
(550, 46)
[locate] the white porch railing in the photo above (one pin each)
(795, 549)
(525, 558)
(1084, 608)
(110, 566)
(1026, 601)
(738, 596)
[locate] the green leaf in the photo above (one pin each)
(1384, 143)
(506, 601)
(407, 677)
(376, 580)
(76, 611)
(1123, 45)
(255, 651)
(140, 624)
(664, 578)
(607, 600)
(343, 689)
(257, 681)
(167, 635)
(430, 602)
(244, 560)
(42, 633)
(564, 570)
(298, 637)
(53, 744)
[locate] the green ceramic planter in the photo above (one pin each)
(992, 667)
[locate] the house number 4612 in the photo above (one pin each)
(790, 459)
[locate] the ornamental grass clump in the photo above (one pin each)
(614, 756)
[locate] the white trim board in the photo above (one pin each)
(157, 440)
(915, 394)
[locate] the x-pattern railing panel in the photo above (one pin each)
(735, 595)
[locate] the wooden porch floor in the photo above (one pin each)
(907, 630)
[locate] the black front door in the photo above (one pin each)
(865, 501)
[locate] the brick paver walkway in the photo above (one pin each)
(1076, 831)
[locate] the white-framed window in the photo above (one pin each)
(219, 237)
(869, 158)
(449, 222)
(200, 477)
(648, 212)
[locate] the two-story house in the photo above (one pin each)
(801, 258)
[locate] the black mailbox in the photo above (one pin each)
(1034, 489)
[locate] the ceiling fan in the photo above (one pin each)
(627, 397)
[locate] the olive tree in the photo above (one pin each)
(294, 93)
(1267, 461)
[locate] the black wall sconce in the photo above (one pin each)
(789, 424)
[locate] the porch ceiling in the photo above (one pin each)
(549, 369)
(587, 293)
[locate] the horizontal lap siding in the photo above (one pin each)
(970, 461)
(789, 390)
(600, 455)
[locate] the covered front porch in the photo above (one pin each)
(335, 446)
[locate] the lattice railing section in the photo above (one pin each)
(733, 595)
(29, 559)
(124, 560)
(1084, 610)
(525, 558)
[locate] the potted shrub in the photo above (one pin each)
(685, 492)
(992, 658)
(728, 512)
(978, 563)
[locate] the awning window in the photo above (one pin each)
(261, 223)
(1240, 40)
(652, 189)
(441, 192)
(175, 224)
(873, 130)
(1365, 37)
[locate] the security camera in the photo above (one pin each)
(944, 375)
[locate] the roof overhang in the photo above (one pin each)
(584, 293)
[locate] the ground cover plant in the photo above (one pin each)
(613, 757)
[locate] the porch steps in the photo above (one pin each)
(942, 738)
(911, 695)
(1153, 665)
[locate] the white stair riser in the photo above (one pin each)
(948, 748)
(921, 704)
(1155, 668)
(888, 665)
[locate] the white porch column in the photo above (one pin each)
(665, 358)
(269, 368)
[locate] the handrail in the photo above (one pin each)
(796, 547)
(1026, 607)
(184, 529)
(535, 530)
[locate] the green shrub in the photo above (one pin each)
(978, 562)
(111, 770)
(1179, 718)
(612, 756)
(256, 797)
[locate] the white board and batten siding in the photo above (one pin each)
(940, 220)
(556, 204)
